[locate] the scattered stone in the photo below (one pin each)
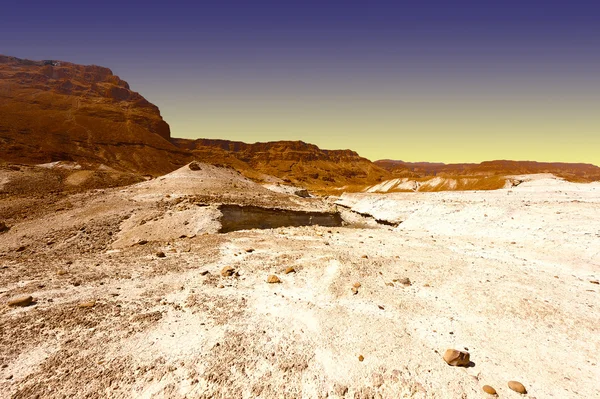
(517, 387)
(289, 270)
(356, 285)
(142, 242)
(273, 279)
(194, 165)
(489, 390)
(21, 301)
(361, 358)
(161, 254)
(227, 271)
(88, 304)
(302, 193)
(354, 290)
(404, 281)
(457, 358)
(204, 272)
(250, 250)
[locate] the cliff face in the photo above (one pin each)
(51, 111)
(293, 161)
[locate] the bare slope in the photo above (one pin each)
(509, 274)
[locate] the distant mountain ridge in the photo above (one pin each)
(58, 111)
(569, 171)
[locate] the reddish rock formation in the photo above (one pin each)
(570, 171)
(293, 161)
(58, 111)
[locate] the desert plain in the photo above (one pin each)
(159, 289)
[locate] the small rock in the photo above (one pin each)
(161, 254)
(250, 250)
(489, 390)
(354, 290)
(3, 227)
(21, 301)
(457, 358)
(356, 285)
(142, 242)
(302, 193)
(273, 279)
(220, 286)
(517, 387)
(227, 271)
(194, 165)
(88, 304)
(404, 281)
(594, 281)
(61, 272)
(380, 307)
(290, 270)
(204, 273)
(389, 284)
(365, 257)
(361, 358)
(21, 248)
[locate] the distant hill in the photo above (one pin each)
(570, 171)
(295, 162)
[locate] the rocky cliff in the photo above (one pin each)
(295, 162)
(58, 111)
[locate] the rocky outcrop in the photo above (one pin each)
(59, 111)
(294, 162)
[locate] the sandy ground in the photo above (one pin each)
(509, 275)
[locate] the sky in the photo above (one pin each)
(416, 81)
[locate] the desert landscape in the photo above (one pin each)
(138, 265)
